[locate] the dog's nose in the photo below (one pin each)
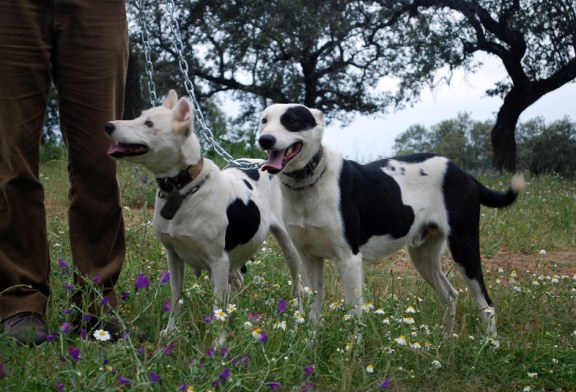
(267, 141)
(109, 128)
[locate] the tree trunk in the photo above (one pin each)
(504, 140)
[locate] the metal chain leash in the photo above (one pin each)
(148, 66)
(183, 65)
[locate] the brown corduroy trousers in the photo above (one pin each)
(82, 47)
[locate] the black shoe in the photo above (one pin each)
(26, 327)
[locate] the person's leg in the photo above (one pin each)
(89, 72)
(24, 85)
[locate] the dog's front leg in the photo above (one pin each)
(314, 279)
(219, 273)
(176, 269)
(350, 269)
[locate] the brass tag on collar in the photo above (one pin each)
(173, 202)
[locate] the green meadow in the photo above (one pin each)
(529, 258)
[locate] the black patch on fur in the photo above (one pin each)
(253, 174)
(297, 118)
(247, 183)
(243, 223)
(423, 173)
(371, 204)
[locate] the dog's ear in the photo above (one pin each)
(183, 116)
(319, 116)
(171, 99)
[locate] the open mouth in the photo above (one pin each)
(123, 150)
(278, 159)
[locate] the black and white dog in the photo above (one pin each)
(341, 210)
(204, 217)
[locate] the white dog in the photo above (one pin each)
(204, 217)
(344, 211)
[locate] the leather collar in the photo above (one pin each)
(307, 170)
(185, 177)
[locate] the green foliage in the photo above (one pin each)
(542, 148)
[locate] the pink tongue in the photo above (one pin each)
(275, 160)
(115, 148)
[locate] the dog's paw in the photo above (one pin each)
(168, 331)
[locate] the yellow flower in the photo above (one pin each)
(370, 368)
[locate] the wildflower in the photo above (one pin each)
(165, 277)
(142, 282)
(401, 340)
(408, 320)
(219, 315)
(500, 270)
(167, 351)
(124, 296)
(105, 301)
(248, 325)
(513, 274)
(50, 338)
(66, 327)
(370, 369)
(555, 279)
(274, 385)
(59, 387)
(542, 252)
(348, 346)
(69, 287)
(74, 353)
(436, 364)
(245, 360)
(489, 310)
(335, 305)
(97, 279)
(368, 306)
(63, 265)
(260, 335)
(282, 305)
(254, 316)
(166, 306)
(527, 388)
(532, 375)
(379, 311)
(308, 290)
(410, 309)
(101, 335)
(385, 385)
(226, 374)
(309, 370)
(415, 346)
(154, 377)
(386, 320)
(299, 316)
(231, 308)
(280, 325)
(124, 381)
(347, 317)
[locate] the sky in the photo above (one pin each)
(367, 139)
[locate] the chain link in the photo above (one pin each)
(183, 65)
(149, 67)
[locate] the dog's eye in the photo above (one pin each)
(264, 120)
(149, 124)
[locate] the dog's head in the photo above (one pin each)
(291, 134)
(161, 139)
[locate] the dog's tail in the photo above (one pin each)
(495, 199)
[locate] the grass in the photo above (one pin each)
(529, 266)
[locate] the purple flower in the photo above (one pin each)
(183, 387)
(124, 381)
(309, 370)
(105, 301)
(274, 385)
(208, 318)
(67, 311)
(165, 277)
(166, 306)
(63, 265)
(225, 375)
(263, 337)
(52, 337)
(74, 353)
(168, 349)
(154, 377)
(245, 360)
(66, 327)
(86, 317)
(97, 279)
(282, 305)
(59, 387)
(385, 385)
(124, 296)
(69, 287)
(210, 352)
(223, 351)
(142, 282)
(307, 387)
(83, 334)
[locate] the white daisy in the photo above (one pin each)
(101, 335)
